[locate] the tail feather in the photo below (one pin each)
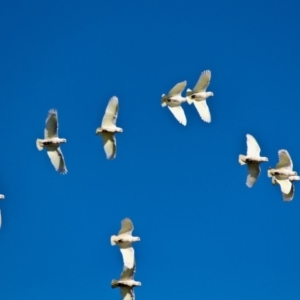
(112, 240)
(163, 100)
(242, 159)
(39, 144)
(269, 173)
(114, 283)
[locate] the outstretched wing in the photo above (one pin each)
(127, 293)
(111, 112)
(126, 226)
(128, 256)
(285, 185)
(128, 272)
(177, 89)
(203, 110)
(253, 148)
(203, 82)
(290, 195)
(253, 173)
(179, 114)
(51, 129)
(57, 159)
(110, 144)
(285, 160)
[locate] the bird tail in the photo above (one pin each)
(163, 100)
(39, 144)
(114, 283)
(269, 173)
(112, 240)
(242, 159)
(189, 93)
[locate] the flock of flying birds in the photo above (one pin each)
(282, 174)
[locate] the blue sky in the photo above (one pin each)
(204, 234)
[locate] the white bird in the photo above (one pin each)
(1, 197)
(108, 128)
(288, 197)
(199, 95)
(126, 283)
(124, 240)
(283, 171)
(174, 100)
(52, 142)
(252, 159)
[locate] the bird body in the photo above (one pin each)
(126, 283)
(124, 240)
(199, 95)
(108, 128)
(174, 100)
(284, 175)
(252, 159)
(51, 142)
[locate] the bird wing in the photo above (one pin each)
(127, 273)
(179, 114)
(51, 129)
(126, 226)
(253, 173)
(202, 82)
(128, 256)
(127, 293)
(110, 144)
(177, 89)
(285, 185)
(111, 112)
(285, 160)
(290, 195)
(253, 148)
(203, 110)
(57, 159)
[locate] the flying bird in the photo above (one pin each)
(174, 100)
(108, 128)
(199, 95)
(124, 240)
(1, 197)
(283, 172)
(252, 159)
(51, 142)
(126, 283)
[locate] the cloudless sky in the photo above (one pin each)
(204, 234)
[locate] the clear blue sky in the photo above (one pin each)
(204, 234)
